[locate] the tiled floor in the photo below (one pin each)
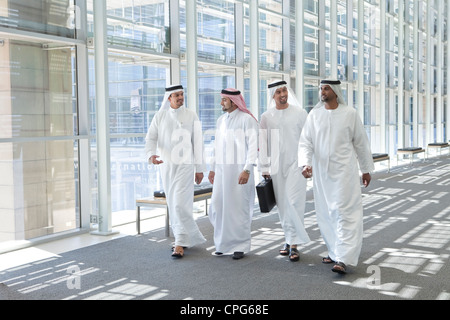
(53, 248)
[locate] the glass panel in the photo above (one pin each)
(135, 93)
(371, 23)
(212, 79)
(368, 64)
(292, 7)
(311, 9)
(270, 42)
(136, 89)
(327, 54)
(216, 31)
(38, 93)
(311, 94)
(39, 189)
(55, 17)
(342, 58)
(182, 5)
(274, 5)
(342, 17)
(311, 47)
(246, 40)
(131, 178)
(264, 80)
(143, 24)
(292, 51)
(38, 103)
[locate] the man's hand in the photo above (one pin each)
(154, 160)
(307, 172)
(198, 177)
(211, 177)
(366, 177)
(243, 177)
(266, 175)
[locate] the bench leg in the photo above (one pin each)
(138, 219)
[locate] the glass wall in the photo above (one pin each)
(216, 31)
(391, 56)
(136, 88)
(270, 41)
(38, 139)
(139, 24)
(46, 16)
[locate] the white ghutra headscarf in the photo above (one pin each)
(335, 85)
(169, 90)
(292, 99)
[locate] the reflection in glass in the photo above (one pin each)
(274, 5)
(270, 42)
(39, 185)
(38, 96)
(216, 31)
(55, 17)
(39, 188)
(143, 24)
(136, 89)
(212, 79)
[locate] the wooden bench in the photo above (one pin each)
(160, 202)
(377, 157)
(411, 151)
(438, 145)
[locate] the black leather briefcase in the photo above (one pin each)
(159, 194)
(266, 196)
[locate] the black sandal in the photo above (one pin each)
(340, 268)
(327, 260)
(238, 255)
(285, 250)
(177, 254)
(294, 255)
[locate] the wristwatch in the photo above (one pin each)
(247, 171)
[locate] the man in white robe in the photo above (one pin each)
(175, 132)
(332, 143)
(281, 126)
(233, 196)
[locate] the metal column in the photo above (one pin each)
(254, 57)
(102, 111)
(191, 55)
